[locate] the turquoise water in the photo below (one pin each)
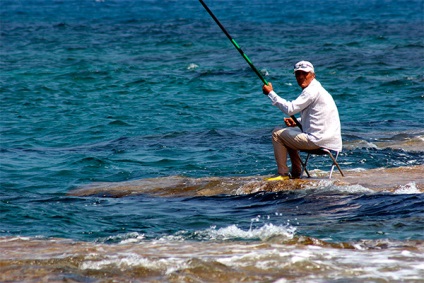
(112, 91)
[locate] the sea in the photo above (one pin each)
(134, 142)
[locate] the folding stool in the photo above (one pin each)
(320, 151)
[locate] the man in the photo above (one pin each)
(319, 119)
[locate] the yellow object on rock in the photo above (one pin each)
(278, 178)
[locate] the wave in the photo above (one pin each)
(412, 141)
(303, 259)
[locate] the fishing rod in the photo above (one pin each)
(264, 81)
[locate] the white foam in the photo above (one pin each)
(410, 188)
(396, 261)
(360, 144)
(12, 239)
(265, 72)
(329, 186)
(132, 237)
(384, 265)
(192, 66)
(265, 232)
(359, 169)
(128, 260)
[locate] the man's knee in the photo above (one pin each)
(276, 133)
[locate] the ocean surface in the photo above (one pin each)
(115, 114)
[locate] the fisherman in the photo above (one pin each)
(319, 119)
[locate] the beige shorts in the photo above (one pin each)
(293, 138)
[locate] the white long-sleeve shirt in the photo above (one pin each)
(319, 115)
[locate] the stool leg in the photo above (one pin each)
(334, 163)
(304, 164)
(332, 169)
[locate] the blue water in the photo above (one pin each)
(123, 90)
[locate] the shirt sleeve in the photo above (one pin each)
(291, 107)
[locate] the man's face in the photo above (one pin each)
(303, 78)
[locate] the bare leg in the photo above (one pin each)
(280, 153)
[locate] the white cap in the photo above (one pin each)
(305, 66)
